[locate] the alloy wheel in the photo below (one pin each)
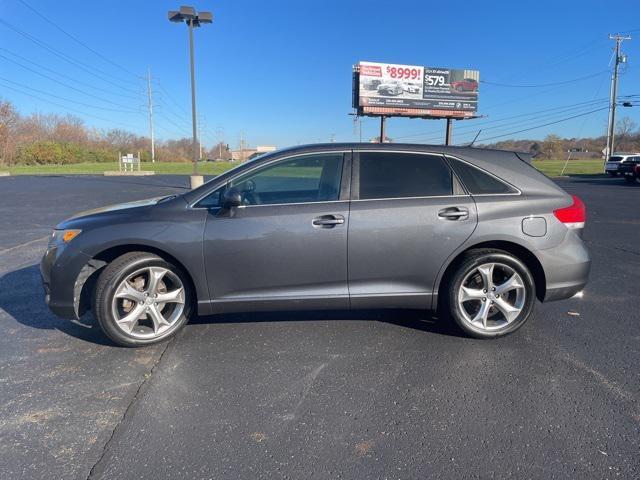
(491, 296)
(148, 302)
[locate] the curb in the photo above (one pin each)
(142, 173)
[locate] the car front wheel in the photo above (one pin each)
(492, 293)
(141, 299)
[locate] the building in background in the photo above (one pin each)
(244, 154)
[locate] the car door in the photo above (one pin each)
(408, 214)
(286, 246)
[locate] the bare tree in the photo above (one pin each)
(8, 120)
(625, 129)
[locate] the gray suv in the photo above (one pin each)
(478, 235)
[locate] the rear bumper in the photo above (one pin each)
(59, 268)
(566, 267)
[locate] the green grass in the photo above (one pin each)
(171, 168)
(551, 168)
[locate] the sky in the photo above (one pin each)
(279, 72)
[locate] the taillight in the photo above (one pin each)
(574, 215)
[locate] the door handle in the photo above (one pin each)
(454, 213)
(328, 221)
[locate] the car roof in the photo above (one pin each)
(417, 147)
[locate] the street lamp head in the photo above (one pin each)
(174, 16)
(189, 15)
(205, 17)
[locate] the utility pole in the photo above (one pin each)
(220, 137)
(241, 146)
(614, 93)
(150, 105)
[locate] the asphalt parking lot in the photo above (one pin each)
(322, 395)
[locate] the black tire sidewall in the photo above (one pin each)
(104, 295)
(468, 265)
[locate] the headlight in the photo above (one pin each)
(63, 236)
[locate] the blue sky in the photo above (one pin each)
(279, 72)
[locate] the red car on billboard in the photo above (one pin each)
(466, 85)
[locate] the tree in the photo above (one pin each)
(625, 129)
(552, 147)
(535, 150)
(8, 120)
(220, 151)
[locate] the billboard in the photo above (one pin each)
(415, 91)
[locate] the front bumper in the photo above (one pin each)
(566, 267)
(60, 268)
(611, 168)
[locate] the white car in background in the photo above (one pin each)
(611, 167)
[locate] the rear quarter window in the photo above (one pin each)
(478, 182)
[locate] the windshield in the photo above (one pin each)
(615, 159)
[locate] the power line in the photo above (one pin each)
(531, 121)
(173, 123)
(170, 97)
(545, 124)
(476, 125)
(68, 99)
(78, 64)
(24, 59)
(175, 115)
(508, 128)
(541, 85)
(67, 107)
(62, 83)
(75, 39)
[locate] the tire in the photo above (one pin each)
(613, 174)
(478, 310)
(145, 288)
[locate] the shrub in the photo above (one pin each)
(62, 153)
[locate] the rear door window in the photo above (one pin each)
(402, 175)
(479, 182)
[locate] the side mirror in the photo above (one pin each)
(231, 198)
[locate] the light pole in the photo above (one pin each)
(192, 19)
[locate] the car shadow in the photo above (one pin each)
(22, 297)
(416, 319)
(600, 180)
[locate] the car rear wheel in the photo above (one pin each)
(492, 293)
(141, 299)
